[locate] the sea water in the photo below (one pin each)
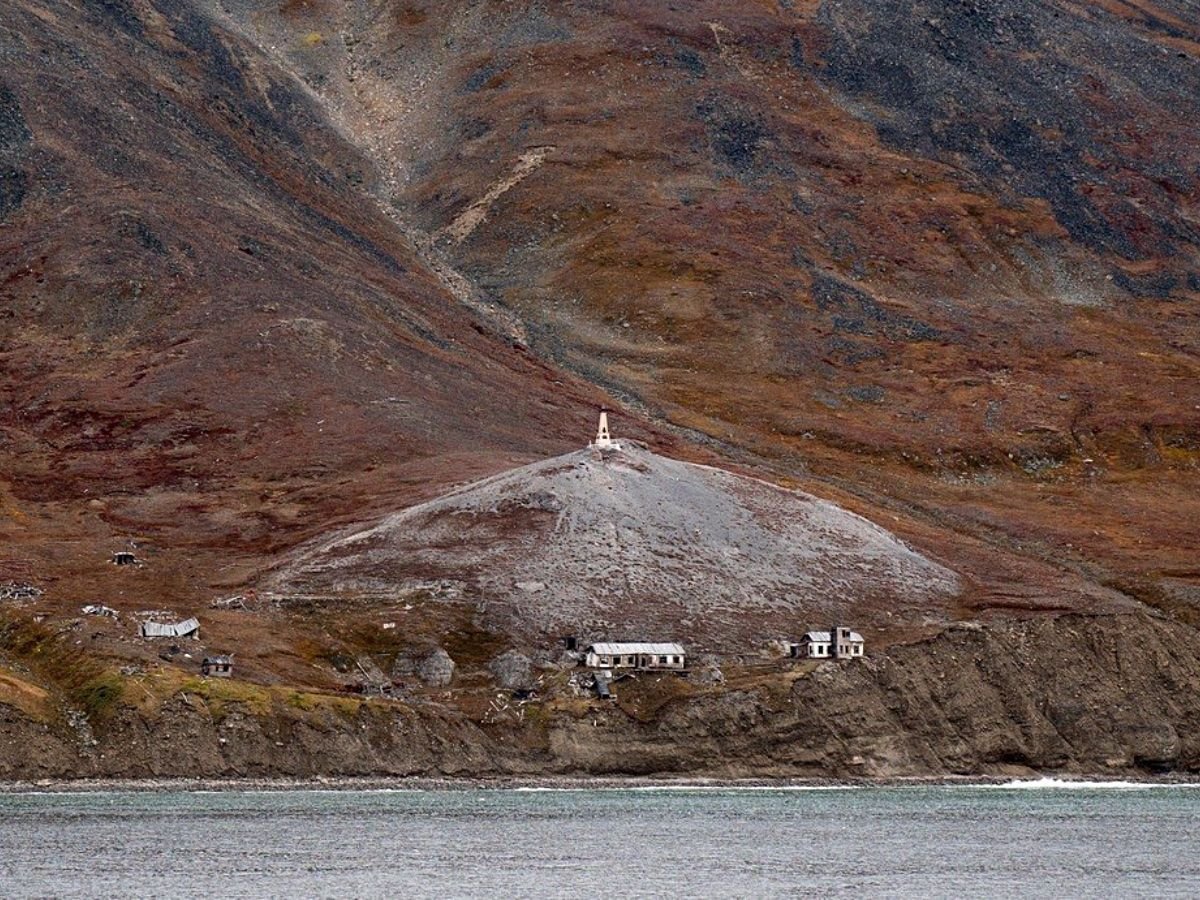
(1030, 839)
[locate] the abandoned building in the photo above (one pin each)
(217, 666)
(837, 643)
(186, 628)
(124, 558)
(635, 656)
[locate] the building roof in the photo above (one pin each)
(178, 629)
(626, 649)
(218, 661)
(826, 637)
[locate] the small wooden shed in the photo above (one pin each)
(217, 666)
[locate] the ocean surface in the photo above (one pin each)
(1040, 839)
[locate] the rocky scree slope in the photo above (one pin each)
(627, 543)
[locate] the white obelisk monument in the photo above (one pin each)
(604, 439)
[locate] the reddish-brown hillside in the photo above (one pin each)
(270, 269)
(274, 272)
(213, 337)
(941, 254)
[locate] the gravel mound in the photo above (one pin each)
(631, 544)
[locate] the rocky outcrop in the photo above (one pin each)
(513, 670)
(435, 668)
(1075, 694)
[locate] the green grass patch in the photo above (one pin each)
(219, 693)
(301, 701)
(101, 695)
(85, 680)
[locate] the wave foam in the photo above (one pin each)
(1069, 784)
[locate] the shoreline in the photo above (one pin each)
(580, 783)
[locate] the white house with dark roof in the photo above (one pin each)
(837, 643)
(643, 656)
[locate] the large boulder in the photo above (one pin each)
(513, 671)
(436, 669)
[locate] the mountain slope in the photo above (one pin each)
(212, 333)
(942, 254)
(270, 272)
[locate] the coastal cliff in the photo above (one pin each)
(1074, 694)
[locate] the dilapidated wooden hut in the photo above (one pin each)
(637, 656)
(217, 666)
(186, 628)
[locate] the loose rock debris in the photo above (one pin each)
(19, 591)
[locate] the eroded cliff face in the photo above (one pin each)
(1111, 694)
(1070, 694)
